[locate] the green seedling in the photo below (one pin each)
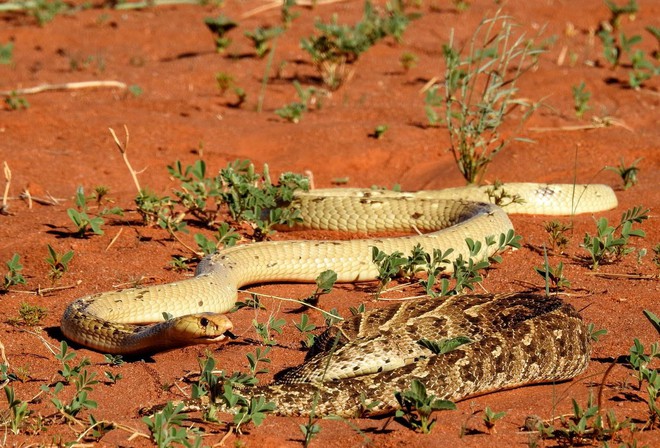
(490, 418)
(220, 26)
(261, 38)
(628, 173)
(18, 410)
(6, 53)
(13, 276)
(554, 276)
(417, 407)
(59, 263)
(292, 112)
(595, 334)
(16, 102)
(309, 430)
(446, 345)
(611, 243)
(581, 99)
(224, 81)
(325, 281)
(307, 98)
(408, 60)
(557, 234)
(83, 221)
(306, 327)
(480, 91)
(337, 46)
(167, 427)
(257, 357)
(264, 329)
(286, 14)
(433, 101)
(28, 315)
(379, 131)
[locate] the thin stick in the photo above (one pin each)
(598, 123)
(123, 147)
(114, 239)
(286, 299)
(278, 3)
(4, 208)
(64, 86)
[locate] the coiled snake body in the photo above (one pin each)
(114, 322)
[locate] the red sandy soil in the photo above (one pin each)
(62, 141)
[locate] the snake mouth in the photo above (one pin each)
(221, 337)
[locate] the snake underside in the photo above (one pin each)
(355, 369)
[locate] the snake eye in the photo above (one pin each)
(204, 321)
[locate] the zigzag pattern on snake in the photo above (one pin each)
(356, 367)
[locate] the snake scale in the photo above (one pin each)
(131, 321)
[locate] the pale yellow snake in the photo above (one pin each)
(114, 322)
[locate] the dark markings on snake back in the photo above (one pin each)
(200, 303)
(416, 215)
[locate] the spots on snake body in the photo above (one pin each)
(527, 339)
(557, 333)
(200, 303)
(416, 215)
(271, 264)
(545, 191)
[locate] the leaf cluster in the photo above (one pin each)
(611, 242)
(417, 406)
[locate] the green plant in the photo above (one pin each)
(557, 234)
(59, 263)
(254, 198)
(286, 14)
(6, 53)
(616, 44)
(491, 417)
(465, 273)
(554, 277)
(433, 100)
(408, 60)
(18, 410)
(608, 246)
(417, 407)
(307, 97)
(581, 99)
(224, 81)
(83, 221)
(640, 362)
(15, 102)
(445, 345)
(309, 430)
(480, 92)
(595, 334)
(628, 173)
(220, 26)
(340, 45)
(264, 329)
(255, 358)
(292, 112)
(656, 255)
(325, 281)
(13, 276)
(379, 131)
(306, 328)
(166, 427)
(28, 315)
(261, 38)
